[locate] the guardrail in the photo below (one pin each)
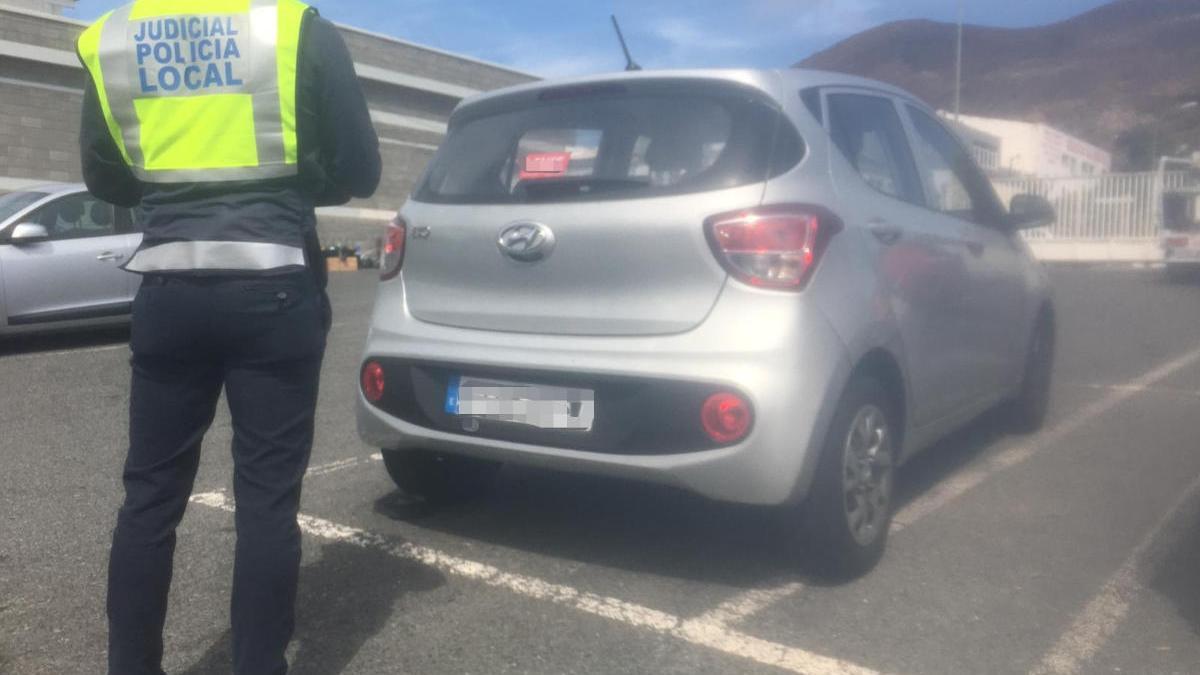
(1109, 207)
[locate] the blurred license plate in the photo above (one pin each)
(535, 405)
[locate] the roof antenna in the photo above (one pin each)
(630, 64)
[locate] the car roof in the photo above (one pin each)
(768, 81)
(54, 188)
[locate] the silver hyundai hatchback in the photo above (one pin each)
(767, 287)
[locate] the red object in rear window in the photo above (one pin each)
(772, 247)
(540, 165)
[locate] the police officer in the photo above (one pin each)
(227, 122)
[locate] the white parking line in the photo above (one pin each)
(963, 482)
(971, 477)
(331, 467)
(1147, 390)
(700, 631)
(1100, 619)
(749, 603)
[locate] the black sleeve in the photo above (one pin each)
(104, 169)
(348, 145)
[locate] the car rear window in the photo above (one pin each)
(612, 143)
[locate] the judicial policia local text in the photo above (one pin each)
(191, 53)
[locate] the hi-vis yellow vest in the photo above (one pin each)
(199, 90)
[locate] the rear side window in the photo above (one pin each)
(615, 144)
(868, 131)
(76, 216)
(12, 203)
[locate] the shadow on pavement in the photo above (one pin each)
(52, 342)
(925, 471)
(610, 522)
(1178, 565)
(1185, 276)
(656, 529)
(345, 599)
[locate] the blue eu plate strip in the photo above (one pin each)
(452, 395)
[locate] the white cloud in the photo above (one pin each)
(682, 34)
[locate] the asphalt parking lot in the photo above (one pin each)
(1076, 550)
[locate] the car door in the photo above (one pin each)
(75, 273)
(130, 229)
(960, 195)
(917, 258)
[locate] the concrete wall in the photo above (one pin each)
(51, 6)
(410, 89)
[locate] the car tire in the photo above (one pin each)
(1027, 412)
(848, 511)
(438, 478)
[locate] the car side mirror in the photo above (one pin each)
(1031, 211)
(28, 233)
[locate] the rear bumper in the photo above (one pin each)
(776, 350)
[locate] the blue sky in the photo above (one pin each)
(571, 37)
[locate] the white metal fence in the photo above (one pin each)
(1119, 206)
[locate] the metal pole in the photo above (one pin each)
(958, 65)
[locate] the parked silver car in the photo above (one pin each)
(766, 287)
(60, 252)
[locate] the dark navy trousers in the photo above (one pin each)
(262, 340)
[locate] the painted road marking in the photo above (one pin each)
(963, 482)
(1099, 620)
(331, 467)
(701, 631)
(1148, 390)
(749, 603)
(971, 477)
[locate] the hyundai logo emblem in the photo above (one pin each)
(526, 241)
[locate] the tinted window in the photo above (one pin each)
(76, 216)
(13, 202)
(613, 145)
(953, 184)
(868, 131)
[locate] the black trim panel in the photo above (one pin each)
(634, 415)
(81, 314)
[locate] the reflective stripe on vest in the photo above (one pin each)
(179, 256)
(199, 90)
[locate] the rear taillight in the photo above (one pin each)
(726, 417)
(1177, 242)
(772, 247)
(393, 249)
(372, 381)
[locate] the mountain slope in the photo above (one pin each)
(1121, 76)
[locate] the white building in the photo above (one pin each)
(1041, 150)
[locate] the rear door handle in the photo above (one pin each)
(109, 255)
(885, 232)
